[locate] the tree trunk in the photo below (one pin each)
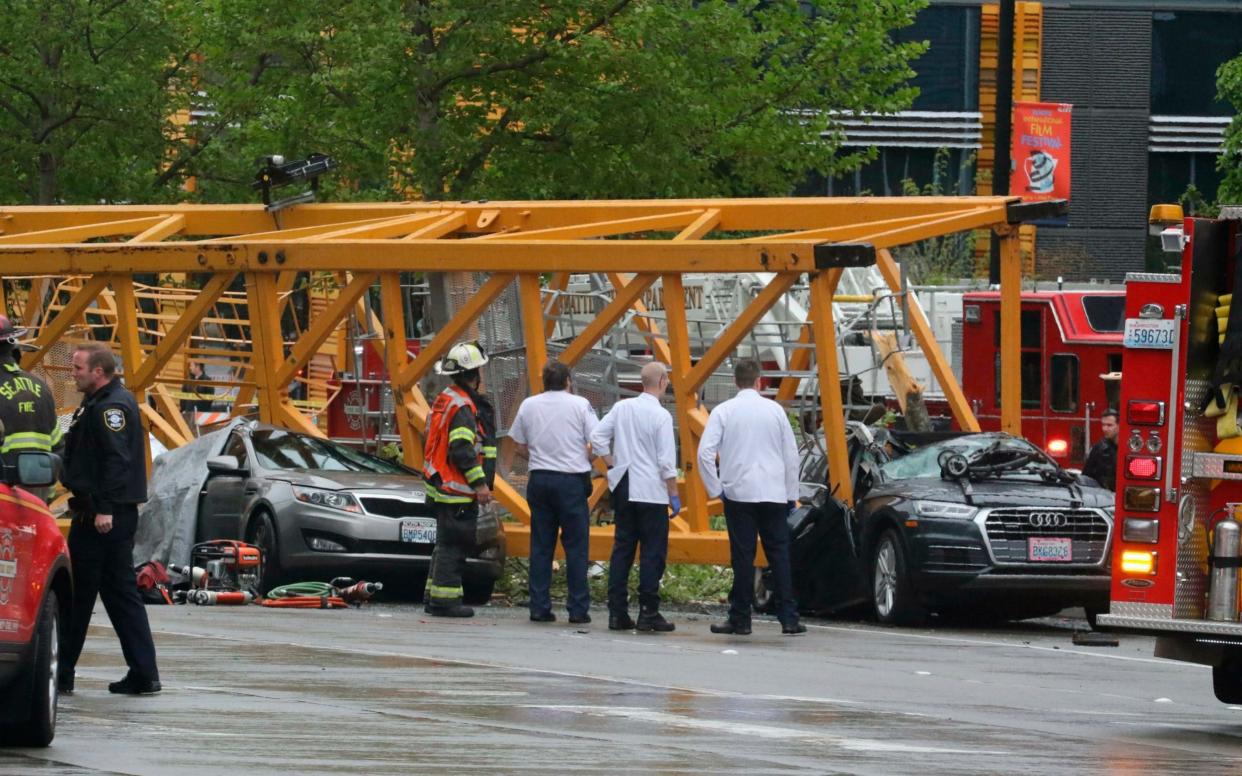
(915, 413)
(48, 165)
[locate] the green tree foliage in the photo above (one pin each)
(463, 98)
(1229, 85)
(87, 90)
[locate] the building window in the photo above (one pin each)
(886, 176)
(1169, 174)
(1064, 383)
(947, 74)
(943, 116)
(1186, 50)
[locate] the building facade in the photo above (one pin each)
(1147, 125)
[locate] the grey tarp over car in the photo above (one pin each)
(167, 522)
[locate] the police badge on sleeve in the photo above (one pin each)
(114, 418)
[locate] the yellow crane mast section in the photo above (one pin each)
(357, 245)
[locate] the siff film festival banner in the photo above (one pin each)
(1040, 151)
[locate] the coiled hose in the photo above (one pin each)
(304, 595)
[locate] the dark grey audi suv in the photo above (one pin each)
(981, 523)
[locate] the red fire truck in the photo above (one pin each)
(36, 592)
(1070, 340)
(1179, 480)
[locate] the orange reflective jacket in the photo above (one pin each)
(445, 482)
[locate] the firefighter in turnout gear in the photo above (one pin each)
(459, 467)
(27, 406)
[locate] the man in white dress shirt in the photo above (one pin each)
(553, 429)
(635, 439)
(758, 482)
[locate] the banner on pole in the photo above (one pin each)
(1040, 151)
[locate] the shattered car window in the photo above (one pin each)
(285, 450)
(924, 462)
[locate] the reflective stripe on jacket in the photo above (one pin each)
(447, 483)
(28, 411)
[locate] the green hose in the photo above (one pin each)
(316, 589)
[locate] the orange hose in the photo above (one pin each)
(306, 602)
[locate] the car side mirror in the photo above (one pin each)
(37, 470)
(223, 464)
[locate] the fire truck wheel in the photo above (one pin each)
(1227, 678)
(40, 727)
(892, 593)
(262, 534)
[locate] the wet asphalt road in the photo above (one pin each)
(385, 690)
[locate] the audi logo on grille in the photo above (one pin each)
(1047, 519)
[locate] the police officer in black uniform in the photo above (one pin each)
(106, 468)
(27, 406)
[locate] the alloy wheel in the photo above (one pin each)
(53, 689)
(885, 581)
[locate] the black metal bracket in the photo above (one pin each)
(840, 255)
(276, 172)
(1021, 212)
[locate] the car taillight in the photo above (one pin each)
(1143, 467)
(1058, 448)
(1142, 412)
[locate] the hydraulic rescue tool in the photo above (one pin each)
(219, 597)
(355, 592)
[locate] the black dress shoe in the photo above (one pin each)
(735, 628)
(580, 619)
(654, 621)
(64, 685)
(543, 617)
(454, 610)
(620, 622)
(132, 685)
(793, 629)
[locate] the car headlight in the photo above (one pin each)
(944, 509)
(327, 498)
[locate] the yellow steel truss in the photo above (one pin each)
(355, 246)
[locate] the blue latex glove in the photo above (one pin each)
(792, 506)
(675, 506)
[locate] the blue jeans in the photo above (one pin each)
(558, 503)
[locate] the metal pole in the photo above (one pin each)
(1004, 121)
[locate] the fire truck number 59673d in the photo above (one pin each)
(1179, 480)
